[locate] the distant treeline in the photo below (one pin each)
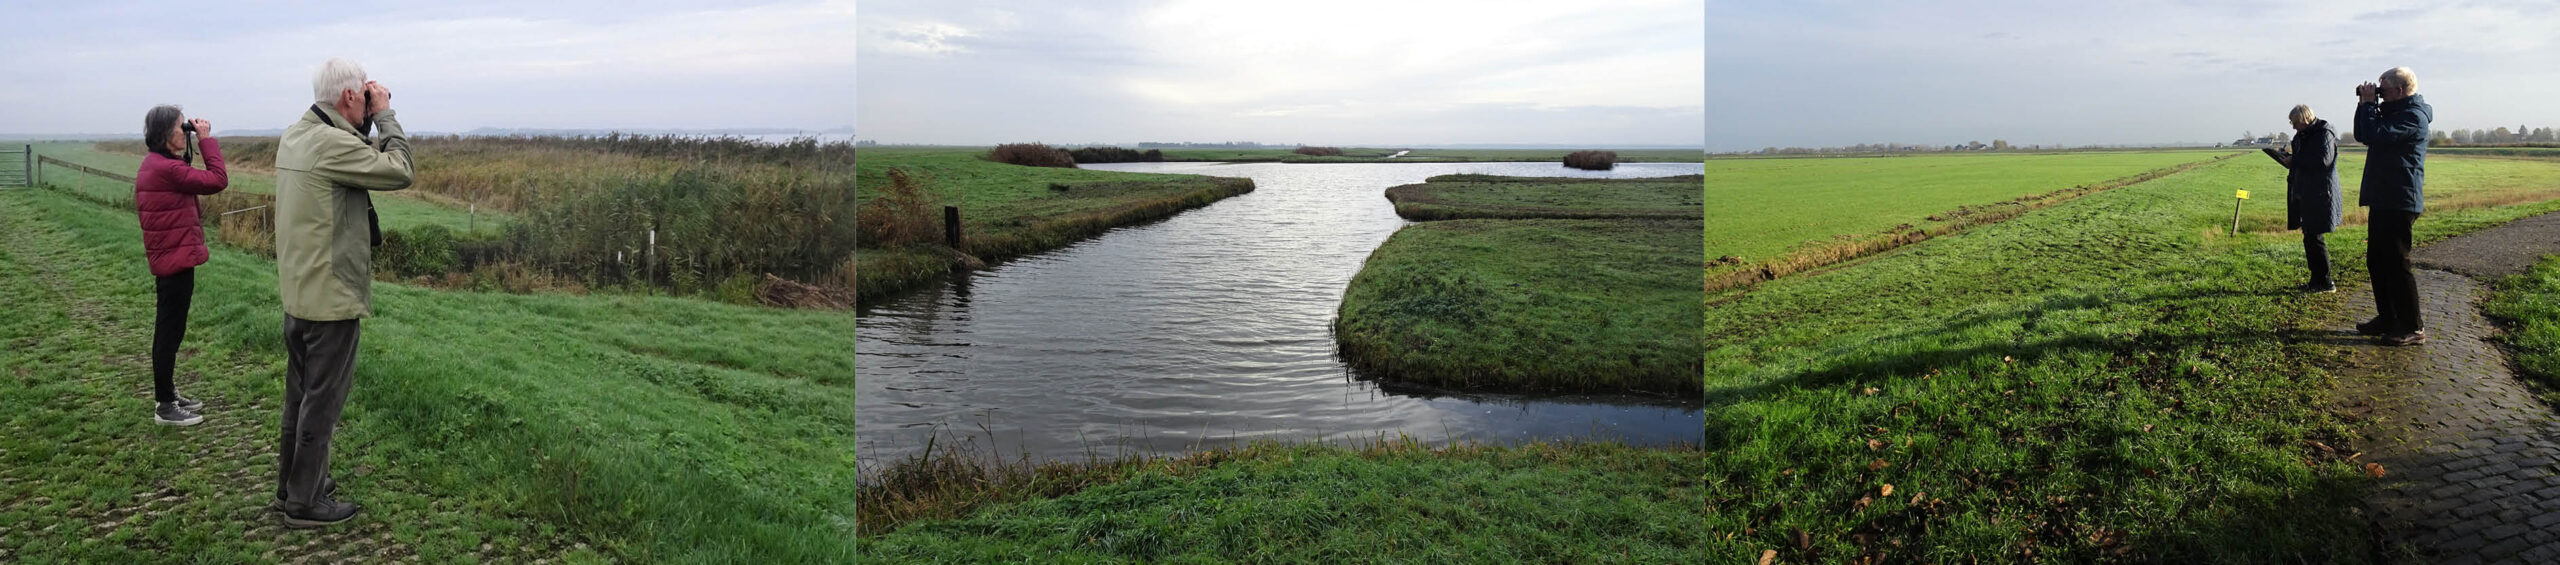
(1592, 160)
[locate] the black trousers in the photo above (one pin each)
(2395, 281)
(2315, 251)
(319, 363)
(168, 327)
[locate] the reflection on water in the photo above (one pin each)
(1207, 328)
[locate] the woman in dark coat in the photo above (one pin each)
(164, 193)
(2312, 202)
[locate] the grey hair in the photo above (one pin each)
(2403, 77)
(2301, 114)
(335, 76)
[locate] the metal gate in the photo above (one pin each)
(17, 166)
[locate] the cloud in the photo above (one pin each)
(1316, 71)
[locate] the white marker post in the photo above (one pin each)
(2235, 212)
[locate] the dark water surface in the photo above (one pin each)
(1201, 330)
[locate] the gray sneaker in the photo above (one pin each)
(328, 489)
(192, 405)
(322, 513)
(171, 414)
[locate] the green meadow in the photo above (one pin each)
(1447, 197)
(2113, 377)
(1819, 210)
(481, 427)
(1005, 210)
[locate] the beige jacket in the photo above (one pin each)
(324, 234)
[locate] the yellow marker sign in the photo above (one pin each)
(2244, 195)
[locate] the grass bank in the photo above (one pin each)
(1535, 295)
(1533, 503)
(646, 429)
(1450, 197)
(1006, 211)
(2105, 379)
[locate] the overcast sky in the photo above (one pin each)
(1838, 73)
(96, 67)
(1357, 72)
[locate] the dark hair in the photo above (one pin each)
(156, 127)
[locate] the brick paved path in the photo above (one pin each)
(2473, 458)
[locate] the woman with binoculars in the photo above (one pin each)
(165, 192)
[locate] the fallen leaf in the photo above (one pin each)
(1802, 541)
(2006, 359)
(2374, 469)
(1888, 490)
(1871, 391)
(1862, 503)
(2146, 427)
(1875, 444)
(2323, 447)
(1768, 555)
(1878, 464)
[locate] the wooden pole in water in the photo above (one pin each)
(951, 227)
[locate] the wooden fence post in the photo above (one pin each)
(951, 227)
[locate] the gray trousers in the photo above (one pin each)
(319, 363)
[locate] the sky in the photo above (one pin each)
(1825, 73)
(1324, 72)
(97, 67)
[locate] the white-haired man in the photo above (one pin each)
(326, 165)
(2394, 132)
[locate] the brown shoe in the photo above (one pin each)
(2411, 338)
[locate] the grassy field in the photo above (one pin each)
(1449, 197)
(1789, 214)
(1377, 155)
(482, 427)
(2530, 304)
(1534, 503)
(1008, 210)
(2111, 378)
(1557, 305)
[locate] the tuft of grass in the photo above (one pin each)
(1592, 160)
(2530, 304)
(1032, 155)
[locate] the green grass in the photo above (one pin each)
(651, 429)
(1008, 210)
(1761, 209)
(1536, 503)
(2530, 305)
(2108, 378)
(400, 210)
(1378, 155)
(1447, 197)
(1550, 284)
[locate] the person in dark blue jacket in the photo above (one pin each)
(2394, 131)
(2312, 202)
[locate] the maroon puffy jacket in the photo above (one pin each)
(172, 222)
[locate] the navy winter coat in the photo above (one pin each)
(2312, 201)
(2395, 166)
